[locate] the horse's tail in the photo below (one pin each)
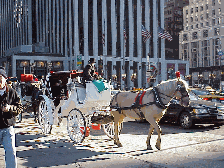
(113, 102)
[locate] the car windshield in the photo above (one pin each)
(192, 96)
(201, 92)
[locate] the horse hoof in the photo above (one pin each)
(149, 147)
(158, 147)
(118, 144)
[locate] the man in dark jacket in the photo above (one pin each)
(9, 104)
(89, 71)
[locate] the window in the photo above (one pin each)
(196, 9)
(192, 27)
(216, 31)
(196, 18)
(192, 10)
(213, 2)
(205, 33)
(207, 23)
(201, 16)
(185, 37)
(201, 8)
(219, 10)
(206, 6)
(186, 20)
(191, 19)
(201, 24)
(213, 12)
(207, 15)
(186, 12)
(213, 22)
(187, 28)
(196, 25)
(219, 20)
(194, 35)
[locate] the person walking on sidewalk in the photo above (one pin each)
(9, 108)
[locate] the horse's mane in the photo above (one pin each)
(176, 79)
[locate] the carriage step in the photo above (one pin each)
(102, 119)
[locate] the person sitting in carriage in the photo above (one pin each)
(89, 73)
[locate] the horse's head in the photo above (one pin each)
(182, 92)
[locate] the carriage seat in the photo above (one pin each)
(81, 92)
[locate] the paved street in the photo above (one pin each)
(198, 147)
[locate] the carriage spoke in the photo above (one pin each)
(76, 126)
(109, 129)
(44, 118)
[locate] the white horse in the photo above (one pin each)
(150, 104)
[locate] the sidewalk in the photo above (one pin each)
(196, 149)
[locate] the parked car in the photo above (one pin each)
(206, 95)
(198, 112)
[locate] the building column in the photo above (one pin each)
(70, 34)
(95, 30)
(114, 35)
(76, 33)
(139, 44)
(62, 26)
(29, 13)
(85, 21)
(131, 42)
(122, 42)
(53, 28)
(155, 36)
(163, 59)
(58, 24)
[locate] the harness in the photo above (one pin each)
(138, 101)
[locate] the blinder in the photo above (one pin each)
(182, 90)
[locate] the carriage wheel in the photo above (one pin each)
(109, 129)
(76, 126)
(19, 118)
(44, 117)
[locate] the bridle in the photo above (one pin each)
(179, 88)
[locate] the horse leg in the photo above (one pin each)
(151, 129)
(158, 130)
(154, 125)
(118, 118)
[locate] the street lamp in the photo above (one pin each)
(114, 80)
(212, 77)
(200, 78)
(133, 77)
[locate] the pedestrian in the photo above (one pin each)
(9, 107)
(89, 73)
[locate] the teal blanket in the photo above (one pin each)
(99, 85)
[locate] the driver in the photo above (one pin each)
(89, 71)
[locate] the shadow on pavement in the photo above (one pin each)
(52, 152)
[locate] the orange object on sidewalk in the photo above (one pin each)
(87, 131)
(96, 126)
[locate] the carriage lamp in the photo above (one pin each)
(123, 77)
(133, 77)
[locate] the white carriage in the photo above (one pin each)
(82, 106)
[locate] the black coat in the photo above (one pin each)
(89, 73)
(10, 97)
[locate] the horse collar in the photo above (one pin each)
(157, 98)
